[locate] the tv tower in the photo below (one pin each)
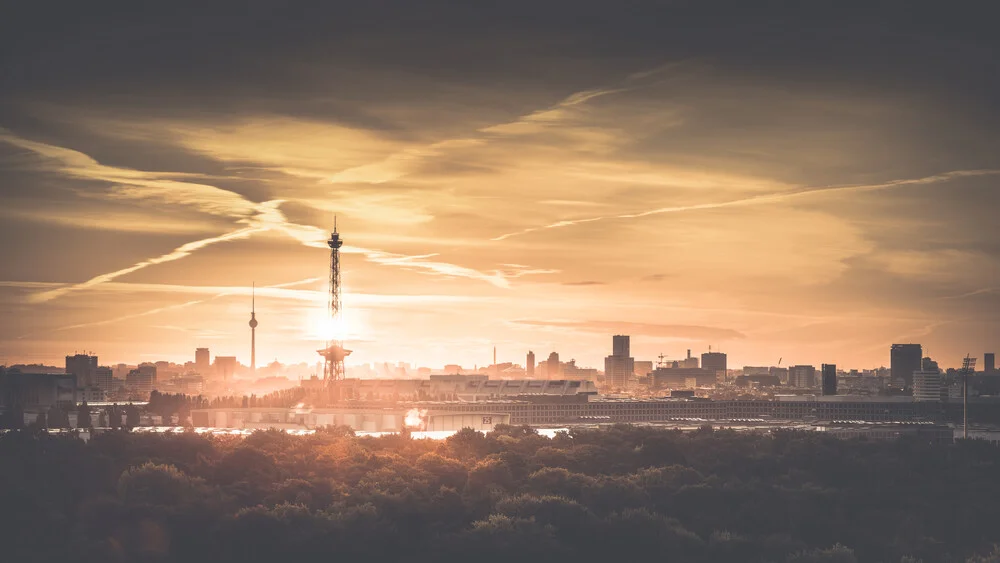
(334, 353)
(253, 328)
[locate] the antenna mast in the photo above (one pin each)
(334, 353)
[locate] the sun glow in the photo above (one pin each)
(319, 326)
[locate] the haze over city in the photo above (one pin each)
(813, 191)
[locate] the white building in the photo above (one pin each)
(927, 385)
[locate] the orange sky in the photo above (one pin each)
(685, 200)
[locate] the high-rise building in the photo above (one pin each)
(83, 366)
(620, 345)
(714, 361)
(225, 367)
(927, 385)
(904, 359)
(202, 361)
(989, 362)
(529, 366)
(552, 368)
(829, 379)
(253, 329)
(619, 367)
(104, 379)
(803, 377)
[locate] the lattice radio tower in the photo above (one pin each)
(334, 353)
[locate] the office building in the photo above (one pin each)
(104, 379)
(643, 368)
(620, 345)
(904, 359)
(829, 379)
(779, 372)
(202, 361)
(714, 361)
(139, 383)
(529, 365)
(225, 367)
(552, 368)
(989, 362)
(803, 376)
(927, 385)
(619, 367)
(682, 378)
(83, 366)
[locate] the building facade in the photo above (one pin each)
(904, 359)
(829, 379)
(927, 385)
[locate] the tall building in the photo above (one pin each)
(803, 377)
(904, 359)
(619, 367)
(202, 361)
(643, 368)
(714, 361)
(620, 345)
(552, 368)
(529, 365)
(927, 385)
(83, 366)
(829, 379)
(225, 366)
(253, 329)
(104, 379)
(989, 362)
(141, 381)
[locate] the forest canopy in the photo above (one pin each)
(511, 495)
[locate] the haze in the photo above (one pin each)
(521, 176)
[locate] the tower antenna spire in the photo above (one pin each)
(334, 353)
(253, 327)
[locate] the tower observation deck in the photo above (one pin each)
(334, 352)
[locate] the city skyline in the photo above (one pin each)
(526, 191)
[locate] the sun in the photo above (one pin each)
(319, 326)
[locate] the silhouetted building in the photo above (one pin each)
(619, 367)
(803, 377)
(904, 359)
(83, 367)
(643, 368)
(104, 379)
(202, 361)
(829, 379)
(36, 391)
(927, 385)
(779, 372)
(682, 378)
(529, 365)
(989, 362)
(225, 367)
(714, 361)
(620, 345)
(928, 364)
(552, 370)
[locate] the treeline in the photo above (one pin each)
(622, 494)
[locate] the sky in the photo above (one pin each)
(809, 182)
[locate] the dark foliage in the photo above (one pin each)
(618, 494)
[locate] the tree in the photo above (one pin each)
(83, 416)
(131, 416)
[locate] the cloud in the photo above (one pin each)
(759, 200)
(181, 251)
(586, 282)
(653, 330)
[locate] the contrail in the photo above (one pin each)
(756, 200)
(180, 252)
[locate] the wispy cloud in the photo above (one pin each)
(758, 200)
(180, 252)
(655, 330)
